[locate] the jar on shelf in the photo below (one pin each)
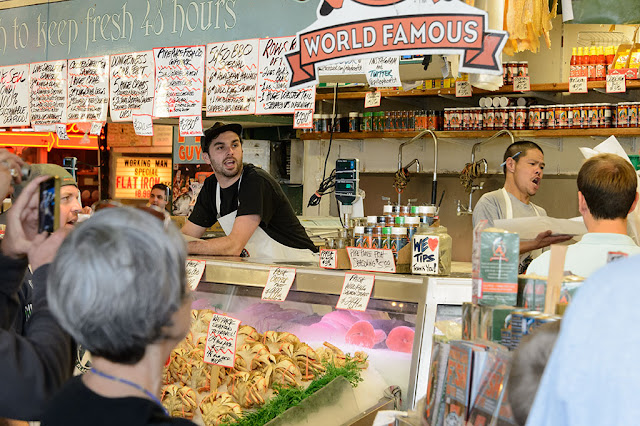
(358, 236)
(398, 239)
(623, 114)
(368, 122)
(354, 124)
(594, 121)
(576, 122)
(317, 126)
(633, 114)
(521, 118)
(361, 121)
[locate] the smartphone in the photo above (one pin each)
(49, 207)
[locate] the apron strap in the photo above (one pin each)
(218, 195)
(509, 206)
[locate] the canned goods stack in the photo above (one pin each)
(514, 69)
(523, 322)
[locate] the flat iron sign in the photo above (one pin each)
(351, 29)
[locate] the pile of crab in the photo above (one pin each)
(194, 389)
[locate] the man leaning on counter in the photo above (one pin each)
(523, 168)
(253, 211)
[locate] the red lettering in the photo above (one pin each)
(118, 181)
(181, 153)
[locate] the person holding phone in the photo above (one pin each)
(523, 167)
(38, 360)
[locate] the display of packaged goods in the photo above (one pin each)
(435, 400)
(492, 321)
(458, 383)
(497, 283)
(532, 290)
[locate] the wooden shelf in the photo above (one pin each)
(481, 134)
(506, 89)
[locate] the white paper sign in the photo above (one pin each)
(274, 95)
(220, 348)
(14, 96)
(88, 89)
(356, 292)
(383, 71)
(179, 81)
(352, 67)
(426, 253)
(194, 269)
(132, 85)
(374, 260)
(44, 128)
(61, 130)
(278, 284)
(232, 74)
(578, 85)
(616, 83)
(190, 125)
(143, 125)
(303, 119)
(521, 84)
(463, 89)
(329, 258)
(48, 92)
(372, 99)
(96, 128)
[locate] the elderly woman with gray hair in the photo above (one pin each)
(118, 286)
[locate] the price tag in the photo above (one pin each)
(521, 84)
(190, 125)
(374, 260)
(356, 292)
(426, 252)
(372, 99)
(329, 258)
(142, 124)
(578, 85)
(463, 89)
(303, 119)
(96, 128)
(222, 337)
(195, 270)
(278, 284)
(61, 130)
(616, 83)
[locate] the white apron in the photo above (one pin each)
(525, 258)
(261, 245)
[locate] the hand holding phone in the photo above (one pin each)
(49, 205)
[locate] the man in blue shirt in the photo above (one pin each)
(592, 376)
(607, 192)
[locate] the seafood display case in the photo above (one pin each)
(394, 333)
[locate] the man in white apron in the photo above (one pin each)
(254, 213)
(523, 167)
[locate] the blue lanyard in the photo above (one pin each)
(132, 384)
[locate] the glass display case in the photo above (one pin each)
(390, 331)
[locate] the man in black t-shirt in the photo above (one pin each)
(249, 204)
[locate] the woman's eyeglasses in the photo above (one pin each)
(160, 214)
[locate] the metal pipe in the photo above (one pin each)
(434, 188)
(416, 162)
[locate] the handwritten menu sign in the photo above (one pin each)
(194, 269)
(273, 94)
(616, 83)
(374, 260)
(351, 67)
(132, 85)
(179, 78)
(578, 85)
(356, 292)
(88, 89)
(426, 253)
(14, 96)
(143, 125)
(232, 74)
(303, 119)
(463, 89)
(48, 92)
(328, 258)
(383, 71)
(278, 284)
(220, 348)
(190, 125)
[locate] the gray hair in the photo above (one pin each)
(116, 281)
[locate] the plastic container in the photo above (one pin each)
(386, 237)
(354, 122)
(398, 239)
(444, 246)
(376, 237)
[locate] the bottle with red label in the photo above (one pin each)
(573, 67)
(601, 64)
(582, 63)
(610, 56)
(591, 74)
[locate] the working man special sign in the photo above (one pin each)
(405, 27)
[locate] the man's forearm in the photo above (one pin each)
(527, 246)
(222, 246)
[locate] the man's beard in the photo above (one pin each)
(219, 169)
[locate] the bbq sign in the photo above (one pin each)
(405, 27)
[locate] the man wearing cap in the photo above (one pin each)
(252, 209)
(523, 168)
